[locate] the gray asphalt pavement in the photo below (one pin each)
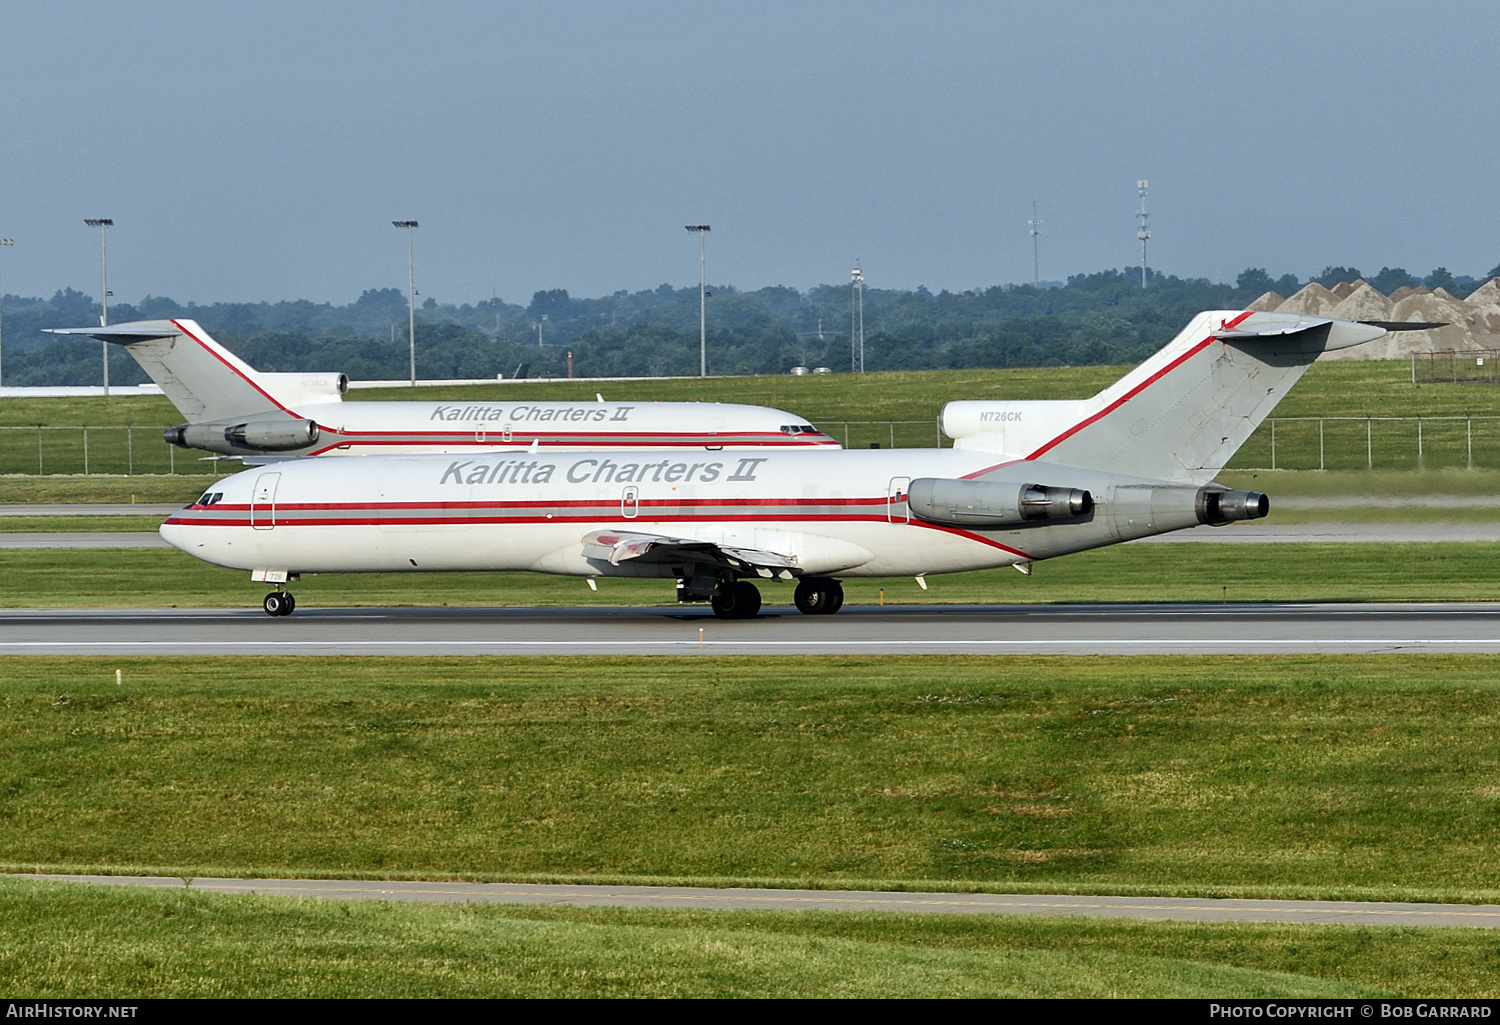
(780, 630)
(1190, 909)
(83, 539)
(92, 509)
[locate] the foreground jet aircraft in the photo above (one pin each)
(1025, 481)
(235, 410)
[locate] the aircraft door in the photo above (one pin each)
(630, 502)
(263, 501)
(896, 508)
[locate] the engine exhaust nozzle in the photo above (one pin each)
(1220, 505)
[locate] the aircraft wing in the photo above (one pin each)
(617, 546)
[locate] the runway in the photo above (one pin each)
(693, 630)
(1184, 909)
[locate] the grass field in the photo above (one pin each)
(1343, 389)
(59, 577)
(1353, 777)
(65, 940)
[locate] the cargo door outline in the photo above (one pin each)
(630, 502)
(897, 509)
(263, 501)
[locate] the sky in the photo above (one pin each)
(259, 151)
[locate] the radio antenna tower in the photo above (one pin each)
(1035, 226)
(1143, 232)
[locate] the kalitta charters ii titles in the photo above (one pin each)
(534, 414)
(597, 471)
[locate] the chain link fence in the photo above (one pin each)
(1281, 443)
(1470, 366)
(48, 451)
(1372, 443)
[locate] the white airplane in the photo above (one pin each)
(236, 410)
(1024, 481)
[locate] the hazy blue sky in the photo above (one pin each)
(260, 150)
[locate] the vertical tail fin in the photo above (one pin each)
(204, 380)
(1184, 412)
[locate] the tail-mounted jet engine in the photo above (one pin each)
(972, 503)
(252, 436)
(1217, 506)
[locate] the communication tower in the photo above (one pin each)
(1142, 232)
(1035, 226)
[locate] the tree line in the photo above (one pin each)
(1104, 317)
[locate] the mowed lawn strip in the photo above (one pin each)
(70, 940)
(156, 577)
(1359, 777)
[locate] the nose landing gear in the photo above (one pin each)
(279, 603)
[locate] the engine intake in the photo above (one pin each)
(1219, 505)
(972, 503)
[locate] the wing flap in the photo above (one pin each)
(617, 546)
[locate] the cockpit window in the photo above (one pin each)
(799, 429)
(210, 497)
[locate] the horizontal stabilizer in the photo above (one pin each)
(126, 335)
(1405, 325)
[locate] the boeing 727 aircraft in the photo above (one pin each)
(235, 410)
(1025, 481)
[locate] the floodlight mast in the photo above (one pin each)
(701, 230)
(103, 224)
(1142, 232)
(411, 297)
(857, 320)
(3, 242)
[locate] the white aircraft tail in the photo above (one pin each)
(204, 380)
(1181, 414)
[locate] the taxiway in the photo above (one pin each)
(779, 630)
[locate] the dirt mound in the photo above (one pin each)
(1486, 294)
(1313, 299)
(1267, 302)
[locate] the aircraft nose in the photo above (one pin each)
(172, 533)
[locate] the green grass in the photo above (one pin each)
(1341, 389)
(1354, 777)
(67, 578)
(17, 489)
(53, 524)
(66, 940)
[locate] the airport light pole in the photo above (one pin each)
(857, 320)
(3, 242)
(411, 297)
(103, 224)
(701, 230)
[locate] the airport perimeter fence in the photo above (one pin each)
(1281, 443)
(1450, 366)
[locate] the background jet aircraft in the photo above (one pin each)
(1028, 481)
(236, 410)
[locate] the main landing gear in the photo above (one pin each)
(818, 596)
(279, 603)
(739, 600)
